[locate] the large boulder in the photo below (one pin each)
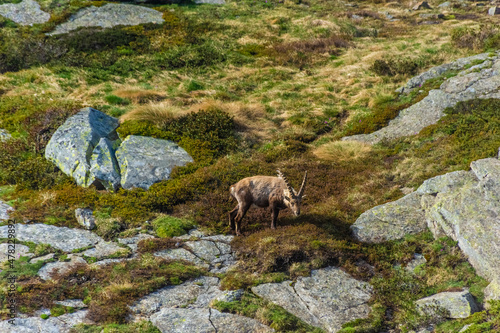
(479, 81)
(144, 161)
(108, 16)
(448, 305)
(463, 205)
(327, 299)
(391, 221)
(103, 164)
(27, 12)
(71, 146)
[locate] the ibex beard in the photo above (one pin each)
(264, 191)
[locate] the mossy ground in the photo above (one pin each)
(247, 88)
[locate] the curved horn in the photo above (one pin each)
(290, 189)
(303, 186)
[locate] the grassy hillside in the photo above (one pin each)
(247, 88)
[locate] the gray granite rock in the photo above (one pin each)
(27, 12)
(4, 135)
(444, 4)
(132, 242)
(144, 160)
(103, 164)
(57, 237)
(326, 299)
(492, 292)
(42, 258)
(15, 250)
(190, 294)
(417, 260)
(205, 320)
(446, 183)
(60, 266)
(391, 221)
(71, 146)
(61, 324)
(448, 305)
(110, 15)
(465, 86)
(494, 11)
(231, 295)
(85, 217)
(4, 211)
(181, 254)
(104, 249)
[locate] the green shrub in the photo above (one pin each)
(113, 99)
(169, 226)
(486, 36)
(397, 66)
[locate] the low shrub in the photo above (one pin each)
(484, 37)
(398, 66)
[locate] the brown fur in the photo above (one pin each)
(263, 191)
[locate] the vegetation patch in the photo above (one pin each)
(108, 289)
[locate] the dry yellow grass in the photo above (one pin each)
(157, 113)
(342, 151)
(139, 96)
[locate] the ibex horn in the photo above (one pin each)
(290, 189)
(303, 186)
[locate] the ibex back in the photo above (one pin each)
(264, 191)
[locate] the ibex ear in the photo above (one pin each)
(287, 198)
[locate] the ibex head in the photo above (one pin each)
(291, 198)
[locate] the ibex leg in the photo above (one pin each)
(276, 211)
(232, 215)
(241, 214)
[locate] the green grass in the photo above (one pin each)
(168, 226)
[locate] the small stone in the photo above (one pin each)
(465, 328)
(422, 5)
(42, 258)
(85, 218)
(494, 11)
(231, 296)
(356, 17)
(4, 211)
(418, 260)
(444, 4)
(448, 305)
(4, 135)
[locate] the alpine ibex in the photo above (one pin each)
(264, 191)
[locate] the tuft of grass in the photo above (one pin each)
(343, 151)
(169, 226)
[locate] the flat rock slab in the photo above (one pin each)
(27, 12)
(73, 303)
(18, 251)
(104, 249)
(63, 238)
(448, 305)
(132, 242)
(181, 254)
(205, 320)
(144, 160)
(60, 266)
(191, 294)
(51, 325)
(108, 16)
(4, 211)
(465, 86)
(326, 299)
(42, 258)
(391, 221)
(72, 144)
